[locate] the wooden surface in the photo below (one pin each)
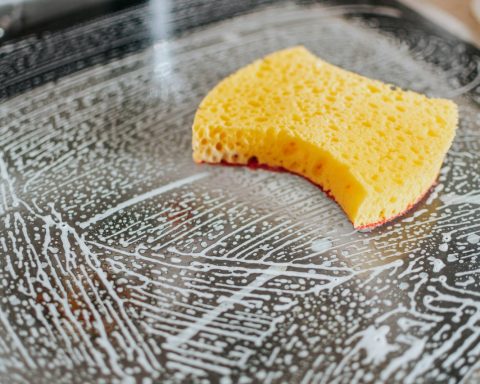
(459, 10)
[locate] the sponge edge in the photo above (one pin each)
(374, 148)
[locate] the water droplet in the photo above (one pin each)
(473, 238)
(321, 245)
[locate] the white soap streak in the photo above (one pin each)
(62, 160)
(206, 266)
(473, 238)
(459, 291)
(202, 365)
(67, 310)
(8, 259)
(380, 269)
(410, 355)
(4, 204)
(220, 241)
(136, 223)
(448, 346)
(469, 198)
(278, 231)
(225, 304)
(203, 356)
(187, 369)
(297, 238)
(10, 184)
(253, 242)
(181, 319)
(144, 356)
(143, 197)
(17, 344)
(253, 319)
(438, 265)
(321, 245)
(190, 220)
(373, 341)
(325, 281)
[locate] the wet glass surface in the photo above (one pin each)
(121, 259)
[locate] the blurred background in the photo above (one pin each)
(21, 17)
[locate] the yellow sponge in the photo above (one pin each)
(374, 148)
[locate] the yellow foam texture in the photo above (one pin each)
(375, 148)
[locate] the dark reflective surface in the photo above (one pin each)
(121, 260)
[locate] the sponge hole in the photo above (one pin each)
(318, 168)
(331, 98)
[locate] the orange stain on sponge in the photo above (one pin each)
(374, 148)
